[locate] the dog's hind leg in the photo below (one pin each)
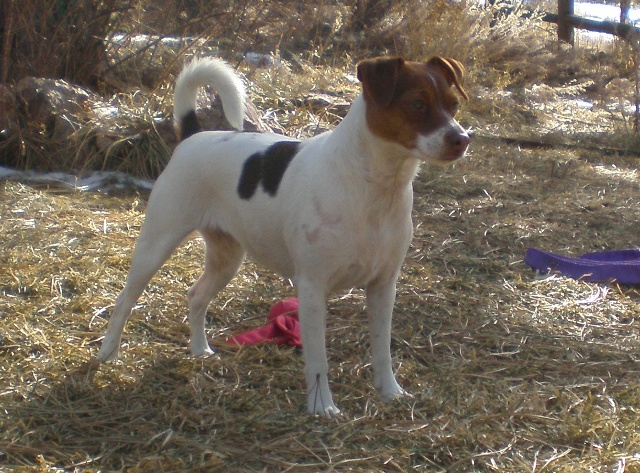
(222, 259)
(157, 240)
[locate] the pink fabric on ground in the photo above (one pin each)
(282, 328)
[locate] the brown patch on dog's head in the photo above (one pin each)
(406, 100)
(453, 70)
(379, 77)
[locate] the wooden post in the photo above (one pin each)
(624, 10)
(565, 29)
(6, 37)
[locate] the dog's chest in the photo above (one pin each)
(349, 245)
(379, 251)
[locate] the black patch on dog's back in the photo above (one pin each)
(267, 167)
(250, 177)
(189, 125)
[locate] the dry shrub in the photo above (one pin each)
(54, 39)
(315, 46)
(87, 42)
(141, 47)
(491, 44)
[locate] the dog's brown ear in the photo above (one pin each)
(453, 71)
(379, 77)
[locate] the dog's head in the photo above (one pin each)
(414, 104)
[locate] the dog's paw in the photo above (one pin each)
(328, 412)
(201, 350)
(392, 391)
(320, 401)
(107, 353)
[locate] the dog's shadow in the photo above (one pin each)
(115, 414)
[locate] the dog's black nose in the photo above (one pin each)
(458, 140)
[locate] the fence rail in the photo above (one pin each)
(567, 21)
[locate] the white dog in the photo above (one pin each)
(331, 212)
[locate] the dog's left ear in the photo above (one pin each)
(379, 77)
(453, 71)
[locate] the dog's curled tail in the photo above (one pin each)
(222, 78)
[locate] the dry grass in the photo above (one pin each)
(508, 372)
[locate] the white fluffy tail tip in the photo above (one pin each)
(219, 75)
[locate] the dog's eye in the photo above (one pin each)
(418, 105)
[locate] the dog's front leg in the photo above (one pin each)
(313, 316)
(381, 296)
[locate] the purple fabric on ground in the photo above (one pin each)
(622, 266)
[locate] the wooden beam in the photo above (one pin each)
(611, 27)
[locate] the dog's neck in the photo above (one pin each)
(386, 164)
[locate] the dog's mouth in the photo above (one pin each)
(455, 155)
(443, 147)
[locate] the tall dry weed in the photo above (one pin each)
(54, 39)
(491, 44)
